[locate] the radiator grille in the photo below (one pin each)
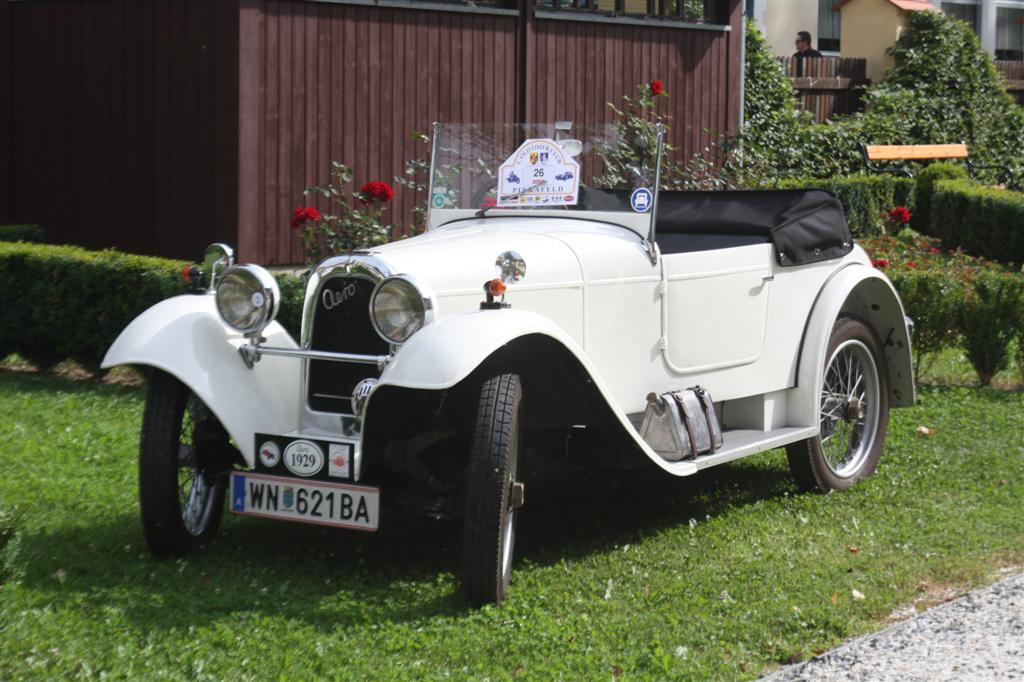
(341, 323)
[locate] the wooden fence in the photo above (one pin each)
(1013, 74)
(349, 82)
(158, 127)
(827, 86)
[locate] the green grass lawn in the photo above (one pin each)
(631, 576)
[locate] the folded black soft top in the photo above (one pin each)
(806, 226)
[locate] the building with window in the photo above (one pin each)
(998, 23)
(870, 27)
(779, 21)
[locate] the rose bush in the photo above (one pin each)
(954, 298)
(345, 226)
(635, 146)
(376, 191)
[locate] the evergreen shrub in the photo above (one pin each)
(22, 233)
(953, 299)
(944, 88)
(985, 221)
(70, 303)
(991, 314)
(926, 179)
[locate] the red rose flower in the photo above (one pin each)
(657, 88)
(911, 265)
(376, 191)
(880, 262)
(489, 202)
(900, 215)
(303, 214)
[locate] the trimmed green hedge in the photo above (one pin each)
(925, 190)
(22, 233)
(955, 300)
(71, 303)
(865, 198)
(982, 220)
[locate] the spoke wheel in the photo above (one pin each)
(492, 492)
(182, 470)
(853, 415)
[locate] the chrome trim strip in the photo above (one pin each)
(346, 425)
(379, 360)
(365, 266)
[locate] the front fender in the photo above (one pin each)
(185, 337)
(446, 352)
(862, 292)
(449, 350)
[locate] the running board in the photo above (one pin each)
(739, 443)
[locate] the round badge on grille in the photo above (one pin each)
(270, 454)
(303, 458)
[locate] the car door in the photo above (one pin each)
(715, 307)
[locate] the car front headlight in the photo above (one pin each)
(247, 298)
(399, 309)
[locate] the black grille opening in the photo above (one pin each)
(341, 323)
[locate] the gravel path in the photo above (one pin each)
(979, 637)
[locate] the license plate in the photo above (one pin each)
(326, 504)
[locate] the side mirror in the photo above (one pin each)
(572, 147)
(217, 259)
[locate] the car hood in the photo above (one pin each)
(458, 258)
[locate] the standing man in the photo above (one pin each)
(803, 51)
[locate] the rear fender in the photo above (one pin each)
(185, 337)
(862, 292)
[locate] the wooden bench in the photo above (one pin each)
(919, 152)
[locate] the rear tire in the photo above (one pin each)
(184, 456)
(489, 521)
(853, 413)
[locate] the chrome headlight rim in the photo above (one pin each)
(262, 282)
(423, 296)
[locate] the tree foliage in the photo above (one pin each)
(943, 88)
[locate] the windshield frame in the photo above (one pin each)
(642, 223)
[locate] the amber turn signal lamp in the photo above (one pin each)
(493, 288)
(192, 275)
(496, 287)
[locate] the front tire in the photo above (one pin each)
(853, 414)
(491, 488)
(183, 463)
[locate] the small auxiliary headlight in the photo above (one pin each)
(247, 298)
(399, 309)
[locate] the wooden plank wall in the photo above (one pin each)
(158, 126)
(6, 105)
(827, 86)
(349, 83)
(123, 122)
(576, 68)
(327, 81)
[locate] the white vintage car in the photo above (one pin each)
(577, 302)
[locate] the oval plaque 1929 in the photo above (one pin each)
(303, 458)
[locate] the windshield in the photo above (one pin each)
(602, 172)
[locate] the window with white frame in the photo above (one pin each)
(1010, 33)
(828, 26)
(965, 11)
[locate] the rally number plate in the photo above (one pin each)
(326, 504)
